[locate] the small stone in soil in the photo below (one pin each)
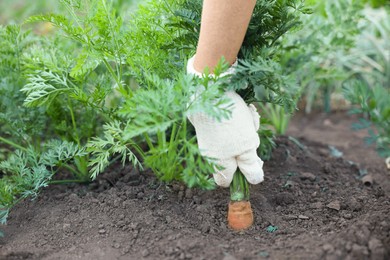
(316, 205)
(348, 216)
(289, 184)
(303, 217)
(308, 176)
(327, 122)
(290, 217)
(334, 205)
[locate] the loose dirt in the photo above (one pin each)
(312, 205)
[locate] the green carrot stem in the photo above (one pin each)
(68, 181)
(9, 142)
(148, 141)
(239, 188)
(70, 168)
(74, 123)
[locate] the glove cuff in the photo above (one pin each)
(192, 71)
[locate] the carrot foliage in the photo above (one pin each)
(103, 82)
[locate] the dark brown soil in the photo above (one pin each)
(311, 206)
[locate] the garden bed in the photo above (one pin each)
(311, 205)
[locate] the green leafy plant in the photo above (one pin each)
(374, 102)
(102, 89)
(316, 55)
(278, 116)
(267, 139)
(157, 116)
(51, 96)
(172, 45)
(27, 171)
(368, 87)
(345, 53)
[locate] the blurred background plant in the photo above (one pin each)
(341, 60)
(316, 53)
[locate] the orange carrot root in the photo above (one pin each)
(240, 215)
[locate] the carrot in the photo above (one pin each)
(240, 215)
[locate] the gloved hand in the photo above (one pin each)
(232, 142)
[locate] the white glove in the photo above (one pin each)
(232, 142)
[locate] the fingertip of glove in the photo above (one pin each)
(255, 178)
(253, 172)
(224, 177)
(221, 182)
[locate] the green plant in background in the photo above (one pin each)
(368, 65)
(315, 55)
(374, 103)
(377, 3)
(17, 11)
(30, 156)
(267, 139)
(369, 86)
(344, 48)
(278, 116)
(368, 60)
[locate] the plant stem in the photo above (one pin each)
(68, 181)
(13, 144)
(117, 80)
(70, 168)
(239, 188)
(173, 135)
(74, 123)
(148, 141)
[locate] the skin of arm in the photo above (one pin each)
(223, 27)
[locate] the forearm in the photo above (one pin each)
(223, 27)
